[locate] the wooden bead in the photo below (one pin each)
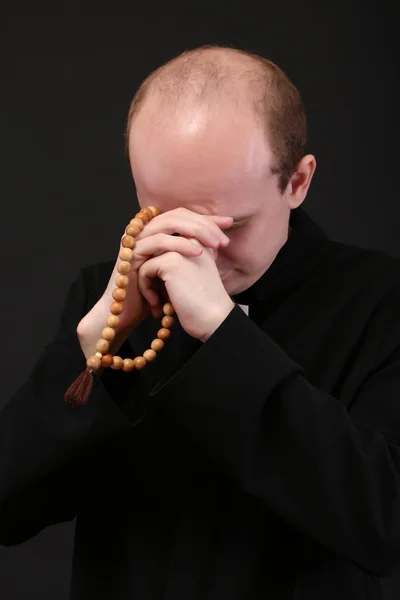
(147, 211)
(157, 345)
(132, 230)
(128, 242)
(168, 309)
(138, 222)
(128, 365)
(103, 357)
(167, 322)
(117, 363)
(107, 360)
(93, 362)
(113, 321)
(124, 267)
(119, 294)
(143, 217)
(102, 346)
(140, 362)
(116, 308)
(150, 355)
(163, 333)
(108, 333)
(156, 211)
(126, 254)
(122, 281)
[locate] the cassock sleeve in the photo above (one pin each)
(331, 473)
(45, 443)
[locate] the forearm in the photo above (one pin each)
(89, 330)
(289, 443)
(45, 443)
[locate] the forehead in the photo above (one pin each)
(196, 153)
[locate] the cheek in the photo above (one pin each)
(241, 242)
(246, 251)
(236, 255)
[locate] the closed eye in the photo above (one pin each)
(232, 227)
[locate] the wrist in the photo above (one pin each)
(217, 321)
(89, 330)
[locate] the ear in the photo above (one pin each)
(300, 181)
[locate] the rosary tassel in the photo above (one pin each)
(79, 391)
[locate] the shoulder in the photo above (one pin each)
(367, 284)
(363, 269)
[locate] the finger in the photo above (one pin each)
(162, 292)
(207, 232)
(148, 272)
(160, 243)
(222, 222)
(157, 311)
(158, 287)
(215, 218)
(162, 295)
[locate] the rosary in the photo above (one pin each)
(80, 389)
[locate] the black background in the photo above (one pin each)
(66, 189)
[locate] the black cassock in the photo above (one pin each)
(264, 463)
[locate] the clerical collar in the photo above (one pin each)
(291, 265)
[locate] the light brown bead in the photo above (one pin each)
(150, 355)
(163, 333)
(93, 362)
(119, 294)
(140, 362)
(168, 309)
(155, 210)
(157, 345)
(128, 242)
(126, 254)
(147, 211)
(113, 321)
(102, 346)
(99, 354)
(108, 333)
(132, 230)
(143, 217)
(107, 360)
(128, 365)
(167, 322)
(116, 308)
(122, 281)
(138, 222)
(117, 363)
(124, 267)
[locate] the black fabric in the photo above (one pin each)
(264, 463)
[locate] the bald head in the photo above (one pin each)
(207, 77)
(226, 82)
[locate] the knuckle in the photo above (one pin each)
(181, 210)
(200, 229)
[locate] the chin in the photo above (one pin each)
(231, 285)
(233, 282)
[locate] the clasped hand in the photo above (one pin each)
(190, 277)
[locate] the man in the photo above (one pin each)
(258, 456)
